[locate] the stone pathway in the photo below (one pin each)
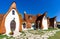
(28, 35)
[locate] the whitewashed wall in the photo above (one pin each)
(9, 18)
(44, 23)
(55, 24)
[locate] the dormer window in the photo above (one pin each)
(13, 12)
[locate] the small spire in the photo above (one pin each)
(13, 5)
(24, 12)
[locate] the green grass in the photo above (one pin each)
(41, 32)
(23, 33)
(5, 36)
(36, 32)
(50, 29)
(56, 36)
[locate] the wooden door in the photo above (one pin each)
(13, 25)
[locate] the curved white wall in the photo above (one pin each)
(44, 23)
(9, 18)
(32, 26)
(55, 24)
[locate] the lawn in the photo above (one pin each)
(5, 36)
(41, 32)
(35, 32)
(56, 36)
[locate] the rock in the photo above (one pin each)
(16, 34)
(4, 38)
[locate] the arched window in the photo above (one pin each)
(24, 25)
(13, 12)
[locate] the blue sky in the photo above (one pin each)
(33, 7)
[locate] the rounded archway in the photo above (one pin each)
(13, 25)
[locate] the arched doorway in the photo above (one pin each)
(38, 24)
(13, 25)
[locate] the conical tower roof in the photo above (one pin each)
(13, 5)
